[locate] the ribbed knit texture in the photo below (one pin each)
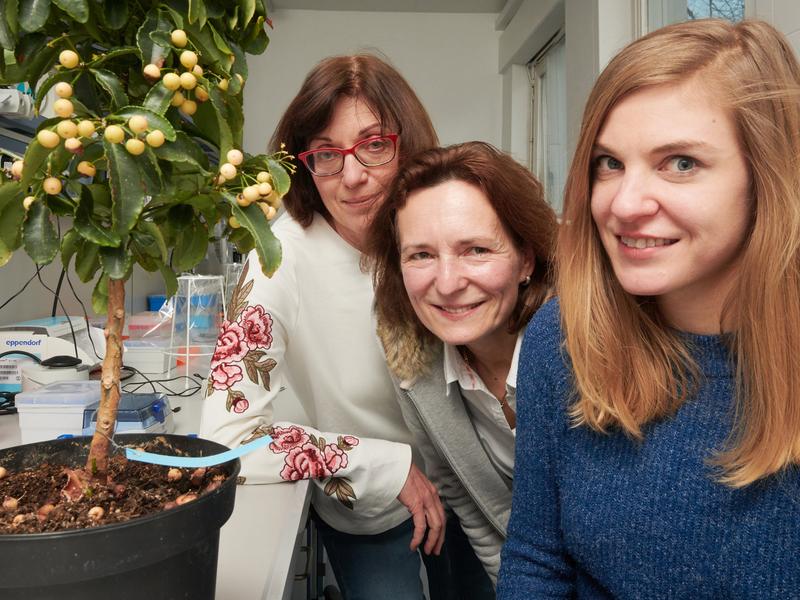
(602, 516)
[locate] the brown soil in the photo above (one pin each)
(133, 489)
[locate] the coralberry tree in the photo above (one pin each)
(149, 95)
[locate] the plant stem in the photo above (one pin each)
(97, 463)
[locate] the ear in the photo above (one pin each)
(528, 264)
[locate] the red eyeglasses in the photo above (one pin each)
(371, 152)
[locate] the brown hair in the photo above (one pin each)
(517, 198)
(630, 368)
(361, 76)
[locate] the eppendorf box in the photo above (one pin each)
(55, 409)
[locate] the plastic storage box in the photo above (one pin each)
(55, 409)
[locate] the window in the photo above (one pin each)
(548, 140)
(732, 10)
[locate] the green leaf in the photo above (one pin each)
(128, 188)
(185, 150)
(197, 13)
(257, 38)
(220, 42)
(267, 245)
(280, 178)
(152, 51)
(7, 40)
(33, 14)
(35, 157)
(77, 9)
(116, 13)
(154, 120)
(111, 55)
(151, 229)
(170, 281)
(158, 99)
(233, 18)
(70, 244)
(12, 16)
(88, 227)
(116, 262)
(100, 296)
(177, 16)
(191, 245)
(12, 214)
(111, 84)
(39, 234)
(5, 253)
(87, 260)
(248, 10)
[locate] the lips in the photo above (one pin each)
(641, 243)
(458, 310)
(361, 200)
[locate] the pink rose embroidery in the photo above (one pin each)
(257, 324)
(240, 405)
(303, 462)
(335, 458)
(285, 439)
(231, 344)
(350, 440)
(224, 376)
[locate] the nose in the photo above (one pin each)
(353, 172)
(635, 198)
(449, 276)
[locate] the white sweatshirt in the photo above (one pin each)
(310, 328)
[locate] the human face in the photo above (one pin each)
(670, 199)
(460, 268)
(352, 196)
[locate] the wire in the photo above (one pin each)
(69, 321)
(58, 291)
(133, 387)
(38, 268)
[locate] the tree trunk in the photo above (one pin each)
(97, 463)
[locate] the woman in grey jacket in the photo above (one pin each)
(461, 254)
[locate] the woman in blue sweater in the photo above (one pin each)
(658, 425)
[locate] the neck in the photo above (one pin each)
(491, 358)
(357, 239)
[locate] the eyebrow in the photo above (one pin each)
(363, 132)
(475, 241)
(669, 148)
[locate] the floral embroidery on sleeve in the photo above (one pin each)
(244, 337)
(309, 457)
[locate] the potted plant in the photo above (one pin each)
(142, 162)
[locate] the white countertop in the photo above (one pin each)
(257, 543)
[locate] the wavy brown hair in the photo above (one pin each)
(362, 76)
(517, 198)
(630, 368)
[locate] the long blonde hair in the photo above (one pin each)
(630, 368)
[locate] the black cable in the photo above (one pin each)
(38, 268)
(138, 385)
(69, 321)
(58, 292)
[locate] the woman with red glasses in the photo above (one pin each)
(310, 329)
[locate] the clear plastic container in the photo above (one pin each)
(55, 409)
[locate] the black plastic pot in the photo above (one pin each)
(168, 555)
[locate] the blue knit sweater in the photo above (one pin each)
(601, 516)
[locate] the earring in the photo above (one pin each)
(526, 282)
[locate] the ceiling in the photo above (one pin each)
(432, 6)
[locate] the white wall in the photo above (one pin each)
(783, 14)
(449, 59)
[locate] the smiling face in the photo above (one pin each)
(352, 196)
(670, 199)
(460, 267)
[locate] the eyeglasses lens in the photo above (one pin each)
(370, 153)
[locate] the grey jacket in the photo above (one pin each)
(457, 463)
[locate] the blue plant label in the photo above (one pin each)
(194, 462)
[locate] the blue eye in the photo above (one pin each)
(608, 163)
(682, 164)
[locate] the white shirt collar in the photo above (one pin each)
(457, 371)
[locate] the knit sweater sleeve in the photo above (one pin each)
(534, 563)
(248, 372)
